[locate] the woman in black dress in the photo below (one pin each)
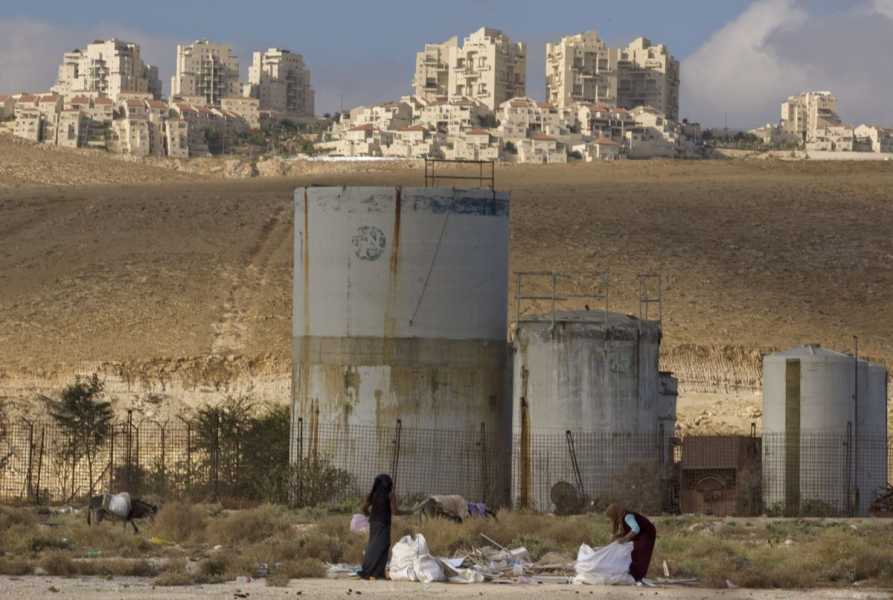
(380, 505)
(632, 527)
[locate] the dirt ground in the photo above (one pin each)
(155, 271)
(26, 588)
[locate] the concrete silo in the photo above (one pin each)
(400, 322)
(824, 432)
(591, 408)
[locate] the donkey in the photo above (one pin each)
(138, 510)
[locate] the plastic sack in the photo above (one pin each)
(359, 524)
(119, 505)
(412, 561)
(608, 565)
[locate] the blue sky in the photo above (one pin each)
(365, 50)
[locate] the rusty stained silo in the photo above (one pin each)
(591, 409)
(400, 323)
(824, 432)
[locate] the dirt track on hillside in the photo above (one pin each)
(171, 270)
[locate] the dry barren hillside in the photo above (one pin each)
(181, 290)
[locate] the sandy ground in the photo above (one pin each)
(162, 268)
(27, 588)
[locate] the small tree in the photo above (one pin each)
(85, 419)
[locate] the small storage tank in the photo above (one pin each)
(591, 410)
(400, 326)
(824, 432)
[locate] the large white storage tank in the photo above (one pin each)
(824, 432)
(400, 324)
(587, 390)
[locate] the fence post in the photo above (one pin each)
(484, 469)
(112, 458)
(396, 460)
(216, 456)
(43, 431)
(163, 465)
(129, 449)
(29, 486)
(300, 497)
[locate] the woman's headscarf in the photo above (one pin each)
(383, 486)
(615, 512)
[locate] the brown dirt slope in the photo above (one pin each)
(754, 254)
(24, 163)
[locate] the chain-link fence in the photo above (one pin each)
(820, 474)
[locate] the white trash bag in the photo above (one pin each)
(412, 561)
(359, 524)
(608, 565)
(119, 505)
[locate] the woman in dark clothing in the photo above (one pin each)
(379, 506)
(633, 527)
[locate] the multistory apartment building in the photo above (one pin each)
(107, 68)
(581, 68)
(281, 81)
(488, 67)
(647, 75)
(806, 114)
(432, 70)
(206, 70)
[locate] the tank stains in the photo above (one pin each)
(390, 320)
(483, 207)
(303, 367)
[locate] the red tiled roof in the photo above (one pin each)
(366, 127)
(4, 97)
(157, 104)
(606, 142)
(541, 137)
(478, 131)
(49, 98)
(28, 98)
(414, 128)
(102, 102)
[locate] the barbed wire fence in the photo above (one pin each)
(543, 471)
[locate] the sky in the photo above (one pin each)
(739, 58)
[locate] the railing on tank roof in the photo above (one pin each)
(551, 296)
(432, 176)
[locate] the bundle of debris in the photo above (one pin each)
(883, 504)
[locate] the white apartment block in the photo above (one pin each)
(452, 116)
(806, 114)
(875, 139)
(432, 70)
(524, 117)
(281, 81)
(834, 138)
(246, 108)
(473, 144)
(207, 70)
(581, 68)
(488, 67)
(647, 75)
(107, 68)
(388, 116)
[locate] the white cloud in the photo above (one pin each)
(778, 48)
(31, 50)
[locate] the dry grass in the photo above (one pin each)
(760, 553)
(180, 521)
